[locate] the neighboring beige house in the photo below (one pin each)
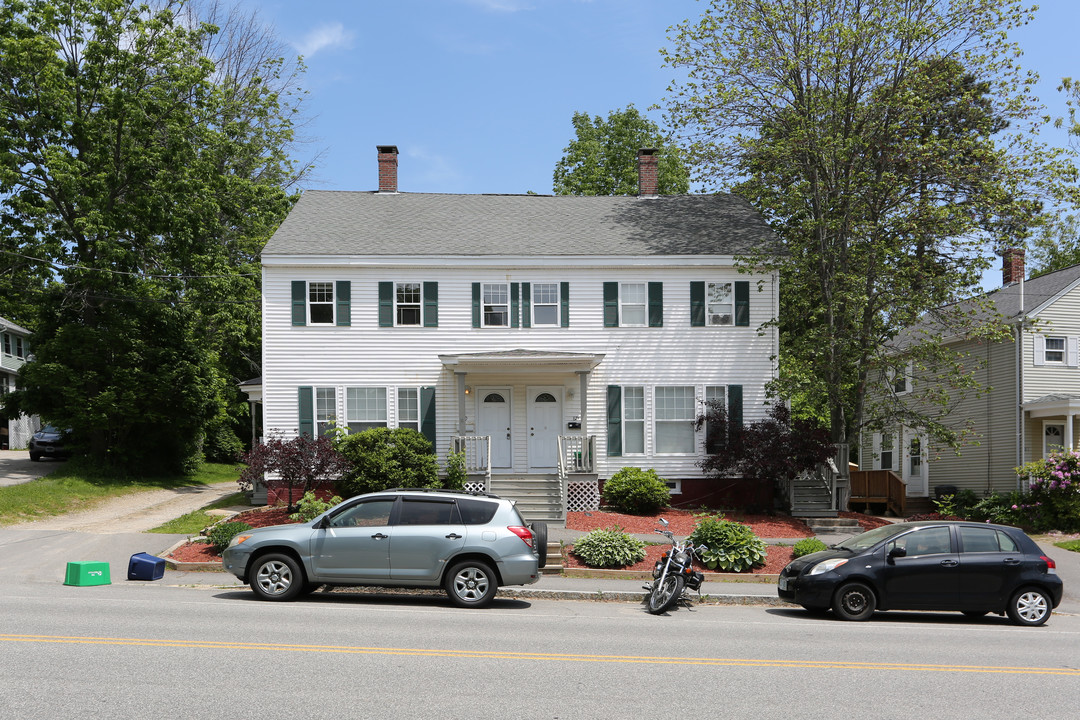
(14, 350)
(1033, 403)
(553, 338)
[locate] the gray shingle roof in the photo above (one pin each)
(8, 325)
(368, 223)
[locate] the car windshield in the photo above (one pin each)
(870, 538)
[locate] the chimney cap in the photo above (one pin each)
(646, 151)
(387, 149)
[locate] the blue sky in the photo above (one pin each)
(478, 94)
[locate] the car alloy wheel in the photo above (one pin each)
(470, 584)
(277, 577)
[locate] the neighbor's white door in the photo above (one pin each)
(545, 419)
(494, 421)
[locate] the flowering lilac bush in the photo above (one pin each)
(1053, 499)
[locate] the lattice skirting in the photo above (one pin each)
(583, 495)
(474, 486)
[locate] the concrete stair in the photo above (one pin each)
(554, 559)
(537, 497)
(832, 526)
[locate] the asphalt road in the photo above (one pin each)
(139, 650)
(15, 467)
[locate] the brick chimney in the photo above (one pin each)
(387, 168)
(1012, 266)
(648, 175)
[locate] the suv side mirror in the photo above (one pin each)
(897, 551)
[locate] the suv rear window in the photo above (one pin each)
(476, 512)
(425, 512)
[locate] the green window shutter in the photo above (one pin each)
(742, 303)
(299, 302)
(564, 304)
(431, 304)
(515, 304)
(386, 304)
(476, 305)
(427, 413)
(734, 405)
(344, 302)
(306, 412)
(611, 304)
(526, 305)
(697, 304)
(656, 304)
(614, 421)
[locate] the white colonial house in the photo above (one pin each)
(1030, 407)
(15, 341)
(555, 339)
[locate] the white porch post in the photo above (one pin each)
(583, 387)
(1068, 432)
(461, 402)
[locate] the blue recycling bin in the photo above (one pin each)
(144, 566)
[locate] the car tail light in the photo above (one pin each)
(1051, 566)
(524, 533)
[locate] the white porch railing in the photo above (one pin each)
(477, 449)
(576, 454)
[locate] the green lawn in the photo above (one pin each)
(1073, 545)
(74, 486)
(194, 522)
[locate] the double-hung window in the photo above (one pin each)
(365, 408)
(633, 305)
(545, 304)
(633, 401)
(325, 410)
(7, 344)
(1055, 350)
(720, 304)
(408, 409)
(407, 303)
(321, 303)
(674, 410)
(496, 304)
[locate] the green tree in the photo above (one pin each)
(602, 159)
(887, 143)
(144, 171)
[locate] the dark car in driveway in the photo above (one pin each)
(973, 568)
(49, 441)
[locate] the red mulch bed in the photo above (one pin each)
(201, 552)
(868, 522)
(682, 523)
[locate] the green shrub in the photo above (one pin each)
(636, 491)
(310, 507)
(610, 548)
(455, 471)
(221, 534)
(386, 458)
(1053, 502)
(807, 546)
(732, 546)
(221, 445)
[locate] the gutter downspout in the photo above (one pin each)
(1020, 449)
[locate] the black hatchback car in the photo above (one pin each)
(974, 568)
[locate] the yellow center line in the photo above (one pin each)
(560, 657)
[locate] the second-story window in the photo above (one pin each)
(545, 303)
(720, 304)
(407, 301)
(321, 303)
(1055, 350)
(496, 304)
(632, 304)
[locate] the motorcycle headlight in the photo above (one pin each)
(827, 566)
(682, 558)
(656, 569)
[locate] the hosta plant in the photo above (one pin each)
(609, 548)
(731, 546)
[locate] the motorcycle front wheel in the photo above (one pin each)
(665, 593)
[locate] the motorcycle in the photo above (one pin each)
(673, 573)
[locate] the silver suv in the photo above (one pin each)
(467, 543)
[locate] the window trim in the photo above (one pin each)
(349, 419)
(656, 421)
(642, 421)
(1061, 353)
(418, 305)
(644, 304)
(484, 304)
(708, 294)
(310, 303)
(400, 405)
(533, 304)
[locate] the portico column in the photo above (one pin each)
(461, 402)
(1068, 432)
(583, 393)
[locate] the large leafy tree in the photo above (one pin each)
(602, 157)
(888, 144)
(144, 162)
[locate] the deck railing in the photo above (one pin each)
(576, 454)
(878, 487)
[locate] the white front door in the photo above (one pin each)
(545, 421)
(494, 421)
(1053, 438)
(915, 464)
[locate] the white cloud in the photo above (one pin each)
(502, 5)
(324, 36)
